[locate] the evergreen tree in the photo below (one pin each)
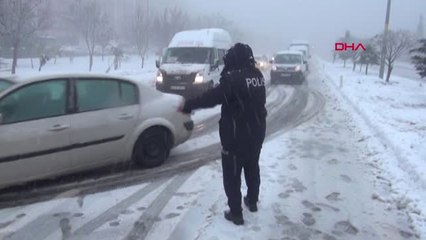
(369, 57)
(345, 55)
(419, 59)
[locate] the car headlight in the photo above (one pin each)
(198, 78)
(262, 64)
(159, 77)
(297, 68)
(274, 68)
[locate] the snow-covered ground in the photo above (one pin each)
(349, 173)
(393, 121)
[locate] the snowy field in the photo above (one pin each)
(352, 172)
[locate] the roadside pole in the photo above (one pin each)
(384, 43)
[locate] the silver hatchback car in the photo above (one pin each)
(58, 124)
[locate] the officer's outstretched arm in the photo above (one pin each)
(210, 98)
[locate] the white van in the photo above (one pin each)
(303, 47)
(193, 61)
(288, 67)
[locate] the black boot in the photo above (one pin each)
(251, 206)
(237, 219)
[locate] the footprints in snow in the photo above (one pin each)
(5, 224)
(345, 178)
(344, 227)
(296, 186)
(311, 206)
(308, 219)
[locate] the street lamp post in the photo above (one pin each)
(384, 43)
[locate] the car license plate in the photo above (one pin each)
(177, 87)
(285, 74)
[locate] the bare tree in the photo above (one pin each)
(218, 21)
(106, 33)
(397, 44)
(20, 20)
(140, 31)
(171, 21)
(87, 18)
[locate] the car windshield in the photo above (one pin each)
(188, 55)
(287, 59)
(5, 84)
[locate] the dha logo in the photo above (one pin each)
(339, 46)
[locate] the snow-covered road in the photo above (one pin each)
(320, 180)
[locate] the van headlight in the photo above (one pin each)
(198, 78)
(159, 77)
(298, 68)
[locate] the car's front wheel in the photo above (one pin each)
(152, 148)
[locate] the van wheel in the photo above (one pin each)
(152, 148)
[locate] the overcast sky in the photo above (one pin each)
(272, 24)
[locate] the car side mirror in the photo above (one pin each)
(1, 118)
(157, 63)
(271, 61)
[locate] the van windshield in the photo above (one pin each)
(288, 59)
(189, 55)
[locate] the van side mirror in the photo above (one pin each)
(215, 64)
(271, 61)
(157, 63)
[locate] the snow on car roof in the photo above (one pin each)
(210, 37)
(23, 79)
(299, 42)
(289, 52)
(41, 77)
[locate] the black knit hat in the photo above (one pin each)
(239, 56)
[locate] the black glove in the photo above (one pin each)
(187, 107)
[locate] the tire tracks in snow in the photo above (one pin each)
(284, 116)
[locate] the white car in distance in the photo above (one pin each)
(59, 124)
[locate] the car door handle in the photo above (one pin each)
(58, 127)
(125, 116)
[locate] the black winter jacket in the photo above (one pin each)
(243, 117)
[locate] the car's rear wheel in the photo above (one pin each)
(152, 148)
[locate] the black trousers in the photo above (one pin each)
(232, 165)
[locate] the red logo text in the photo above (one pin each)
(339, 46)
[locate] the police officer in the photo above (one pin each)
(242, 126)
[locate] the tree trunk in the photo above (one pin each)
(32, 64)
(360, 67)
(344, 63)
(366, 69)
(353, 69)
(90, 61)
(103, 50)
(390, 68)
(15, 59)
(142, 61)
